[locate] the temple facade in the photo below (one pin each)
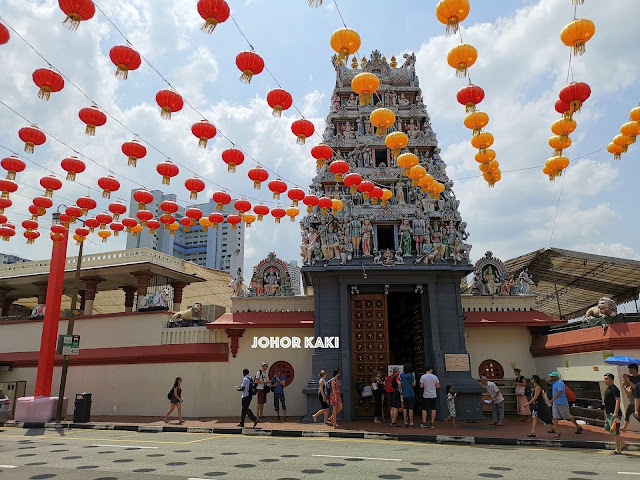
(386, 279)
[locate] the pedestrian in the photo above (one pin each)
(538, 406)
(408, 381)
(175, 397)
(263, 382)
(247, 388)
(430, 384)
(521, 396)
(560, 405)
(278, 382)
(497, 401)
(451, 405)
(324, 400)
(393, 386)
(631, 385)
(335, 398)
(613, 412)
(377, 386)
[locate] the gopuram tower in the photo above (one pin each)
(386, 279)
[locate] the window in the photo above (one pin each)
(491, 369)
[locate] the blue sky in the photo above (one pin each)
(522, 65)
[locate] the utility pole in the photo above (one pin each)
(72, 317)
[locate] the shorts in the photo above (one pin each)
(262, 397)
(429, 404)
(394, 400)
(534, 413)
(409, 403)
(174, 400)
(323, 404)
(630, 410)
(561, 412)
(280, 397)
(609, 421)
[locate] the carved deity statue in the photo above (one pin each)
(355, 227)
(402, 101)
(366, 156)
(404, 232)
(418, 225)
(400, 192)
(525, 282)
(367, 233)
(352, 102)
(428, 253)
(360, 126)
(458, 253)
(312, 245)
(335, 103)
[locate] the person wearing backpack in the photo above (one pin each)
(560, 405)
(175, 397)
(248, 389)
(393, 387)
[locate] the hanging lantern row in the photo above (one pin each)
(628, 133)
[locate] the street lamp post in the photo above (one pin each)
(72, 317)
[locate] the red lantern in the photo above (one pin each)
(33, 210)
(278, 213)
(4, 34)
(186, 223)
(117, 209)
(302, 129)
(242, 206)
(563, 109)
(365, 187)
(295, 195)
(216, 219)
(278, 187)
(73, 166)
(153, 225)
(7, 186)
(125, 58)
(48, 81)
(470, 96)
(168, 207)
(575, 95)
(195, 186)
(204, 131)
(76, 11)
(194, 214)
(145, 215)
(28, 224)
(261, 210)
(352, 181)
(221, 198)
(170, 102)
(310, 201)
(12, 165)
(234, 220)
(339, 168)
(93, 117)
(213, 12)
(42, 204)
(168, 170)
(108, 184)
(7, 231)
(322, 153)
(82, 231)
(64, 219)
(143, 197)
(129, 223)
(31, 236)
(117, 227)
(104, 219)
(250, 64)
(232, 157)
(325, 204)
(50, 183)
(31, 136)
(73, 212)
(279, 100)
(86, 204)
(134, 150)
(3, 218)
(92, 223)
(258, 175)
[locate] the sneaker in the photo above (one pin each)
(240, 425)
(255, 422)
(431, 425)
(394, 424)
(579, 430)
(423, 425)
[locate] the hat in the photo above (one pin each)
(265, 364)
(554, 374)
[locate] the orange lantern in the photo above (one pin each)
(631, 130)
(136, 229)
(452, 12)
(461, 58)
(248, 219)
(476, 121)
(173, 228)
(407, 161)
(345, 42)
(482, 141)
(292, 212)
(365, 84)
(386, 196)
(563, 127)
(416, 173)
(617, 150)
(205, 223)
(622, 141)
(104, 234)
(558, 144)
(396, 141)
(336, 205)
(577, 33)
(425, 183)
(382, 118)
(492, 177)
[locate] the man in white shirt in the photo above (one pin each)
(261, 379)
(497, 401)
(245, 388)
(430, 383)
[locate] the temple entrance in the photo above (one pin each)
(381, 156)
(370, 346)
(386, 237)
(406, 339)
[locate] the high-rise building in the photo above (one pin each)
(294, 273)
(221, 248)
(6, 259)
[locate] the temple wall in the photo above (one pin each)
(506, 345)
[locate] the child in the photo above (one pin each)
(451, 403)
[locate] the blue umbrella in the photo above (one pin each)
(622, 360)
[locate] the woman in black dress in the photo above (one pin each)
(540, 410)
(324, 401)
(175, 397)
(378, 395)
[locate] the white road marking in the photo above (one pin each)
(8, 466)
(120, 446)
(362, 458)
(629, 473)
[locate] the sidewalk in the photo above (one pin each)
(480, 433)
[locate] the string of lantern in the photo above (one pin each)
(627, 136)
(571, 97)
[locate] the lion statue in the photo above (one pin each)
(194, 312)
(598, 314)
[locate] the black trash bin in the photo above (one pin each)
(82, 410)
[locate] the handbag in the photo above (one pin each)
(366, 392)
(267, 389)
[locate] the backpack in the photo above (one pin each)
(170, 394)
(388, 384)
(571, 397)
(253, 387)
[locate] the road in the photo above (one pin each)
(39, 454)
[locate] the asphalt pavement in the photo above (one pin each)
(37, 454)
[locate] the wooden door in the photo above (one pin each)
(370, 345)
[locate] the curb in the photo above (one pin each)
(404, 437)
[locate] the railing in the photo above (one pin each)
(120, 257)
(580, 324)
(172, 336)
